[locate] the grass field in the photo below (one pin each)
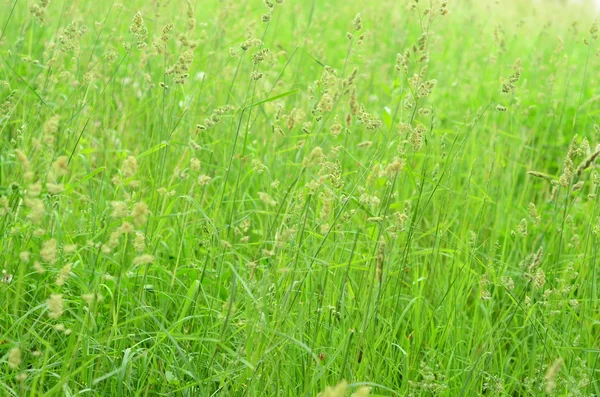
(248, 198)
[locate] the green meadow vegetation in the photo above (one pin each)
(299, 198)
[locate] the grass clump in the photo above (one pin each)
(299, 198)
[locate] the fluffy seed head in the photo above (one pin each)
(49, 251)
(143, 259)
(357, 22)
(55, 306)
(551, 374)
(139, 213)
(129, 167)
(15, 358)
(120, 209)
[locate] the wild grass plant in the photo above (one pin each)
(274, 198)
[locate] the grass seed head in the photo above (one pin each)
(143, 259)
(55, 306)
(139, 30)
(49, 251)
(64, 274)
(129, 167)
(15, 358)
(551, 374)
(139, 213)
(357, 22)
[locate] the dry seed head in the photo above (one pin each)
(594, 30)
(192, 143)
(22, 157)
(338, 390)
(575, 241)
(596, 229)
(260, 55)
(126, 228)
(139, 213)
(536, 260)
(533, 213)
(295, 117)
(4, 206)
(139, 242)
(265, 198)
(485, 293)
(508, 283)
(60, 166)
(357, 22)
(416, 137)
(15, 358)
(539, 279)
(129, 167)
(316, 157)
(596, 178)
(325, 105)
(49, 251)
(91, 297)
(364, 391)
(541, 175)
(139, 30)
(251, 42)
(444, 8)
(39, 232)
(25, 256)
(161, 44)
(191, 21)
(395, 166)
(55, 306)
(181, 69)
(509, 84)
(551, 374)
(380, 259)
(522, 228)
(55, 188)
(336, 128)
(64, 274)
(472, 238)
(195, 164)
(119, 209)
(70, 248)
(569, 166)
(112, 243)
(258, 166)
(370, 122)
(39, 10)
(585, 164)
(204, 180)
(34, 190)
(144, 259)
(37, 266)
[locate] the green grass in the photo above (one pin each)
(271, 223)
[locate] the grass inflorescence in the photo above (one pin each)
(282, 198)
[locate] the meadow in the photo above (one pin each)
(299, 198)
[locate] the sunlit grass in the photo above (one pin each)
(275, 198)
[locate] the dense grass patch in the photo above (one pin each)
(270, 199)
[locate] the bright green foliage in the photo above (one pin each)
(250, 198)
